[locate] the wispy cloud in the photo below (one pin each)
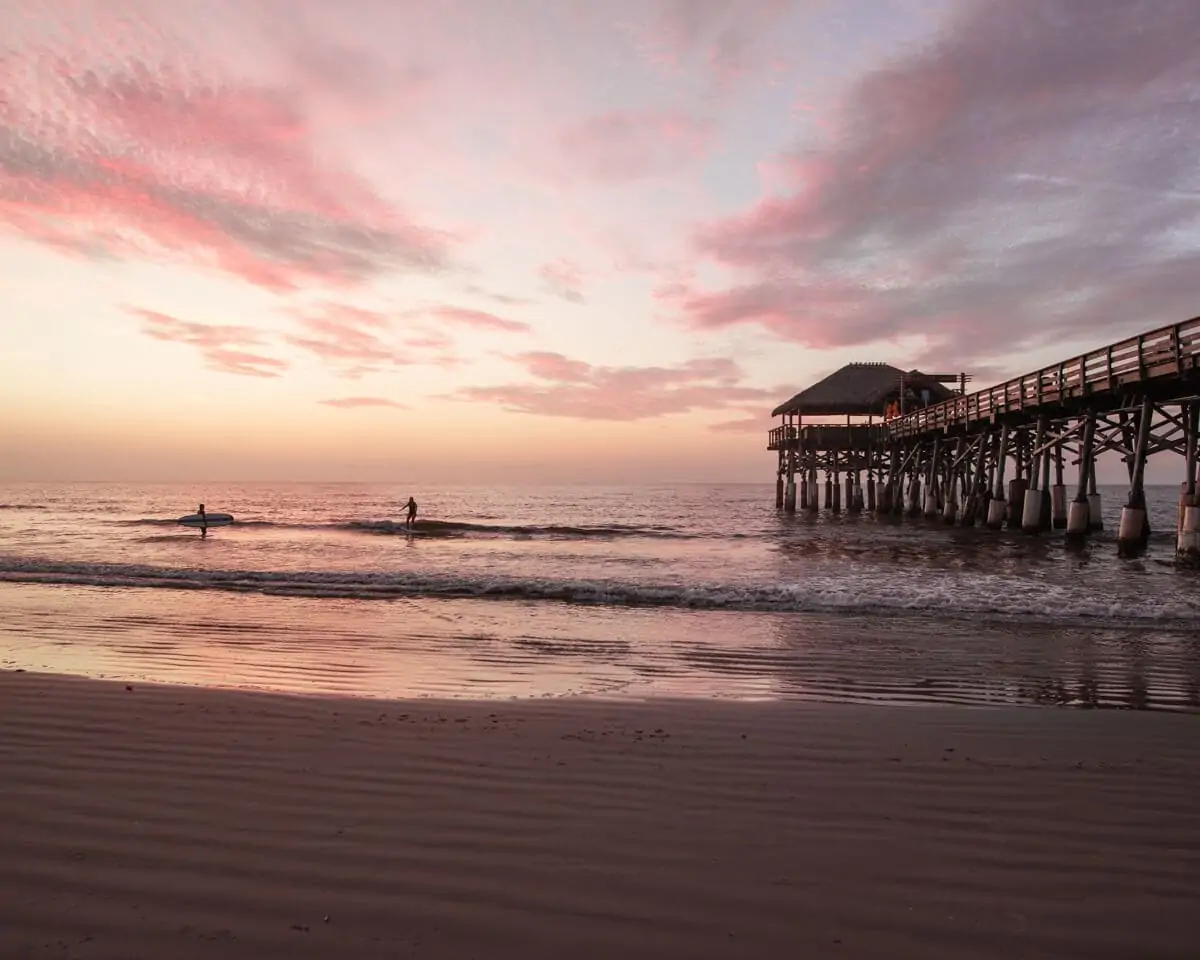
(1024, 174)
(221, 345)
(138, 157)
(573, 388)
(478, 319)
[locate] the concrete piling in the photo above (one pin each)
(1058, 506)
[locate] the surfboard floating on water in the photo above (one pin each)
(212, 519)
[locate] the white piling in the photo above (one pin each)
(789, 497)
(995, 516)
(1031, 513)
(1188, 545)
(1058, 505)
(1077, 520)
(950, 510)
(1132, 529)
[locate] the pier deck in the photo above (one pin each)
(1164, 363)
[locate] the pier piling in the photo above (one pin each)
(1187, 541)
(1133, 531)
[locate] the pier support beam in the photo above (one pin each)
(1018, 484)
(872, 502)
(1078, 521)
(995, 519)
(1134, 531)
(1187, 541)
(976, 505)
(1058, 492)
(914, 495)
(1095, 518)
(931, 498)
(1031, 508)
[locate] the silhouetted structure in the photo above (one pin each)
(1138, 397)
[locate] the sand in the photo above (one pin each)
(160, 822)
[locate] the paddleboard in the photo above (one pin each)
(212, 519)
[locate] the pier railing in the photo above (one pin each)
(1168, 351)
(826, 436)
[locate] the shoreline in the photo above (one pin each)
(163, 821)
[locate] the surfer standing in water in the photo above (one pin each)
(411, 521)
(203, 522)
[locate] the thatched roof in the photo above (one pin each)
(858, 389)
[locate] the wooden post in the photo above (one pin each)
(789, 495)
(1078, 522)
(1058, 493)
(1187, 543)
(950, 499)
(996, 508)
(931, 480)
(779, 471)
(1031, 508)
(1133, 531)
(871, 503)
(1018, 484)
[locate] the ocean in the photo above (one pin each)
(688, 590)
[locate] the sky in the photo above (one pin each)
(560, 240)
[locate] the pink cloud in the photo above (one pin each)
(478, 319)
(564, 278)
(627, 145)
(353, 341)
(582, 391)
(145, 159)
(219, 344)
(351, 403)
(1020, 174)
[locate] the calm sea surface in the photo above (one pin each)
(684, 591)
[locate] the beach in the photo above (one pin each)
(157, 821)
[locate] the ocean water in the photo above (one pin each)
(689, 590)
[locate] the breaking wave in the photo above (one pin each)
(994, 596)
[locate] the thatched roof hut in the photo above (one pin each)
(863, 389)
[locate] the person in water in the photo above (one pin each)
(411, 520)
(203, 522)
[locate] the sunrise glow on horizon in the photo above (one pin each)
(557, 240)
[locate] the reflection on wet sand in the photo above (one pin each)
(500, 649)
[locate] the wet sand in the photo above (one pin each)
(163, 822)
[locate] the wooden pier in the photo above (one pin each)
(919, 444)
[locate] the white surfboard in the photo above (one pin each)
(211, 519)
